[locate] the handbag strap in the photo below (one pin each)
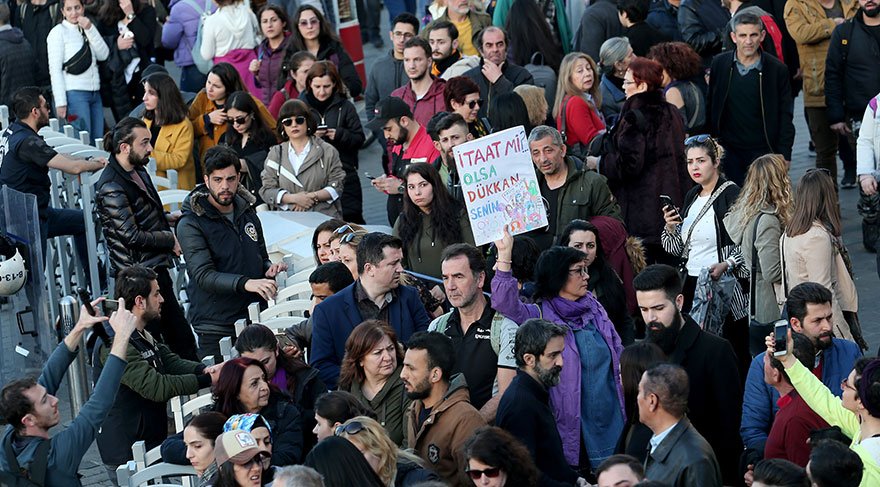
(782, 256)
(715, 195)
(564, 105)
(752, 280)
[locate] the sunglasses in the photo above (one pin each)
(289, 121)
(259, 459)
(308, 22)
(699, 139)
(240, 120)
(489, 472)
(347, 238)
(352, 428)
(343, 229)
(471, 104)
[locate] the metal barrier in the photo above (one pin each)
(77, 376)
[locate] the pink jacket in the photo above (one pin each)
(428, 105)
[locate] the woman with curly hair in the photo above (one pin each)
(431, 220)
(682, 84)
(755, 223)
(494, 453)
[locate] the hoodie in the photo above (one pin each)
(438, 440)
(18, 64)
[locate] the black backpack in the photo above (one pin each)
(35, 476)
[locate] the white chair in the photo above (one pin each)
(58, 141)
(226, 349)
(130, 476)
(73, 147)
(92, 152)
(173, 197)
(142, 457)
(301, 276)
(300, 290)
(294, 307)
(184, 410)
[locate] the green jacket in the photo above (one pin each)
(390, 405)
(585, 194)
(499, 18)
(422, 255)
(479, 21)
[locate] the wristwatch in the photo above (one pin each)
(401, 189)
(130, 16)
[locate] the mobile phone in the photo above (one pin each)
(666, 201)
(322, 127)
(369, 177)
(780, 336)
(98, 329)
(109, 305)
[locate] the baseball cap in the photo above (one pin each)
(237, 446)
(386, 109)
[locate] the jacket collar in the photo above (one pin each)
(661, 453)
(197, 202)
(151, 192)
(533, 387)
(457, 393)
(687, 337)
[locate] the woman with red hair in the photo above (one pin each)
(462, 96)
(682, 84)
(646, 158)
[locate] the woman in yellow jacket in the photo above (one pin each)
(170, 130)
(856, 412)
(208, 113)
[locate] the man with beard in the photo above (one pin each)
(440, 418)
(483, 339)
(715, 398)
(468, 21)
(25, 160)
(452, 131)
(226, 258)
(154, 375)
(525, 409)
(443, 38)
(496, 75)
(852, 79)
(423, 93)
(137, 229)
(408, 142)
(809, 313)
(376, 295)
(387, 73)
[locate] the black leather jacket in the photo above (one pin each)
(133, 219)
(684, 459)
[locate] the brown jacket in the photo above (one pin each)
(811, 29)
(813, 257)
(210, 135)
(443, 433)
(322, 168)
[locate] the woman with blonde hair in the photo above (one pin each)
(578, 101)
(812, 250)
(536, 103)
(755, 223)
(396, 467)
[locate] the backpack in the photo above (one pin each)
(442, 322)
(203, 65)
(34, 476)
(543, 75)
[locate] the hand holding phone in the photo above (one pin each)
(98, 329)
(780, 338)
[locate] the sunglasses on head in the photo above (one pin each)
(347, 238)
(240, 120)
(471, 104)
(489, 472)
(699, 139)
(352, 428)
(343, 229)
(299, 120)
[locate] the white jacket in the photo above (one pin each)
(868, 144)
(63, 42)
(231, 27)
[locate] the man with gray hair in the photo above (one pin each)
(571, 191)
(297, 476)
(678, 455)
(525, 409)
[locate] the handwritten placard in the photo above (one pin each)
(499, 185)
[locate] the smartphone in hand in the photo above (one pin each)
(98, 329)
(780, 337)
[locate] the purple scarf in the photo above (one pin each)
(566, 397)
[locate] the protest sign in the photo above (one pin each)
(499, 185)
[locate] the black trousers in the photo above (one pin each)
(737, 161)
(172, 328)
(352, 198)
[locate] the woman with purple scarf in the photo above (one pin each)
(588, 402)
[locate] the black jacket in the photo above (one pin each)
(133, 220)
(335, 53)
(116, 94)
(35, 21)
(684, 459)
(702, 26)
(851, 74)
(342, 116)
(721, 206)
(511, 77)
(715, 399)
(220, 258)
(663, 16)
(525, 412)
(598, 23)
(18, 65)
(776, 103)
(642, 36)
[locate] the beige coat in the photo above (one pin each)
(768, 296)
(813, 257)
(322, 168)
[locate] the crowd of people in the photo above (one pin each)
(625, 343)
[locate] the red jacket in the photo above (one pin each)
(428, 105)
(582, 123)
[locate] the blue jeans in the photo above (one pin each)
(191, 79)
(87, 106)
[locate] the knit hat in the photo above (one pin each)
(237, 446)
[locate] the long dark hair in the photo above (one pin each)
(260, 133)
(508, 110)
(228, 385)
(340, 406)
(551, 271)
(528, 33)
(497, 448)
(171, 108)
(256, 336)
(341, 464)
(229, 77)
(445, 211)
(325, 36)
(634, 361)
(815, 201)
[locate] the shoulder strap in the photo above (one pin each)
(700, 215)
(846, 34)
(198, 8)
(752, 283)
(10, 455)
(782, 260)
(41, 462)
(565, 98)
(495, 332)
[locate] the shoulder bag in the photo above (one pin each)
(81, 60)
(682, 266)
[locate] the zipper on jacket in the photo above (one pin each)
(763, 115)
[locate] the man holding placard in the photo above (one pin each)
(570, 192)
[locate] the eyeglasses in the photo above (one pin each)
(471, 104)
(844, 385)
(299, 120)
(627, 82)
(403, 35)
(582, 271)
(489, 472)
(308, 22)
(352, 428)
(240, 120)
(699, 139)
